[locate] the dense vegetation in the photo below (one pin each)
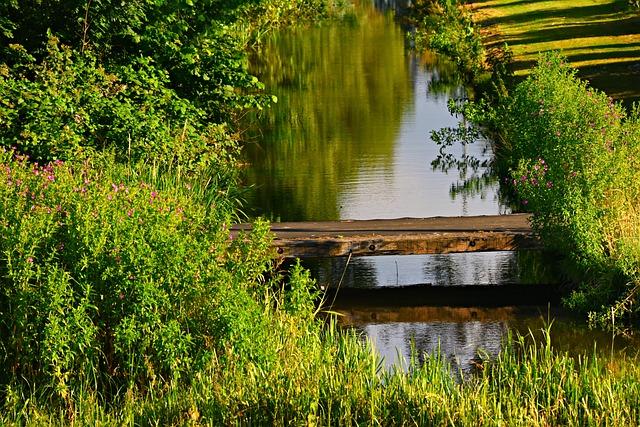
(119, 182)
(572, 153)
(569, 153)
(123, 297)
(445, 27)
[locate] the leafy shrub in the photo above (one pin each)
(68, 104)
(574, 154)
(107, 280)
(191, 43)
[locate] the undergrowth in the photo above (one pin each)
(572, 153)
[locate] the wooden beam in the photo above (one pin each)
(404, 236)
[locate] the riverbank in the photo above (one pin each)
(563, 149)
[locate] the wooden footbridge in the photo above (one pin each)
(404, 236)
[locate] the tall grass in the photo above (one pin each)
(325, 377)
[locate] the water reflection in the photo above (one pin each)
(463, 269)
(349, 137)
(460, 343)
(461, 334)
(342, 90)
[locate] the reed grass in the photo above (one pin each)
(327, 377)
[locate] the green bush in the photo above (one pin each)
(108, 280)
(574, 154)
(68, 104)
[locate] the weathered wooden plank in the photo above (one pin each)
(403, 236)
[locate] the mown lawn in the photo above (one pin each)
(600, 37)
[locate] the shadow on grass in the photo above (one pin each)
(625, 47)
(619, 80)
(579, 13)
(601, 56)
(575, 32)
(482, 4)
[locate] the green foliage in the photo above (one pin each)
(72, 105)
(192, 44)
(118, 179)
(330, 378)
(107, 280)
(162, 80)
(573, 155)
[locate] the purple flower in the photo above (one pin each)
(525, 202)
(549, 184)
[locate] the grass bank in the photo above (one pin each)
(601, 38)
(327, 377)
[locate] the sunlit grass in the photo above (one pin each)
(331, 379)
(600, 37)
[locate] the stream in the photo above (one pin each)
(349, 138)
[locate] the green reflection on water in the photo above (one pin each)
(341, 93)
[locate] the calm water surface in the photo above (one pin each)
(350, 139)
